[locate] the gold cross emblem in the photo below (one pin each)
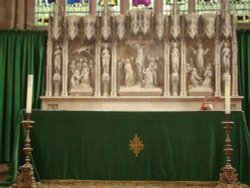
(136, 145)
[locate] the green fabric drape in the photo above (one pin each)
(244, 70)
(178, 146)
(21, 53)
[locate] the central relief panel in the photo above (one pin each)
(140, 67)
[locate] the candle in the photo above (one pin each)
(29, 94)
(227, 94)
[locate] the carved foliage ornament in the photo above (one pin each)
(106, 21)
(175, 21)
(140, 21)
(209, 24)
(89, 26)
(73, 29)
(159, 29)
(226, 28)
(192, 25)
(120, 26)
(57, 23)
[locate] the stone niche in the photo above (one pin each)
(140, 61)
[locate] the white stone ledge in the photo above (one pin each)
(127, 103)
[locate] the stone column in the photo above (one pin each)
(166, 68)
(30, 14)
(191, 6)
(21, 14)
(183, 90)
(222, 4)
(217, 60)
(114, 69)
(49, 64)
(158, 6)
(98, 68)
(124, 6)
(234, 60)
(183, 69)
(92, 7)
(65, 67)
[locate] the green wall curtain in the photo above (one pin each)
(244, 70)
(21, 53)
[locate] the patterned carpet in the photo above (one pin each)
(126, 184)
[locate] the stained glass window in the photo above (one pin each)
(142, 3)
(182, 3)
(242, 10)
(77, 7)
(43, 8)
(207, 6)
(114, 5)
(240, 7)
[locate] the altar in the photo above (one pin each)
(173, 146)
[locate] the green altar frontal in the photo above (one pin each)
(178, 146)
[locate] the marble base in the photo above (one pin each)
(81, 92)
(133, 103)
(200, 91)
(137, 91)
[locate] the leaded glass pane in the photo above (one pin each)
(207, 6)
(169, 3)
(242, 10)
(114, 5)
(240, 7)
(77, 7)
(43, 8)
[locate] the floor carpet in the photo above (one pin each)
(126, 184)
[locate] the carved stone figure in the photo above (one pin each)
(105, 58)
(76, 77)
(195, 79)
(153, 68)
(85, 75)
(200, 52)
(208, 75)
(159, 28)
(192, 25)
(120, 26)
(105, 68)
(209, 24)
(226, 57)
(73, 29)
(57, 70)
(139, 61)
(148, 81)
(89, 26)
(175, 56)
(129, 74)
(175, 81)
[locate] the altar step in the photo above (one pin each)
(126, 184)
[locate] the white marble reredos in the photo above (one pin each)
(140, 54)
